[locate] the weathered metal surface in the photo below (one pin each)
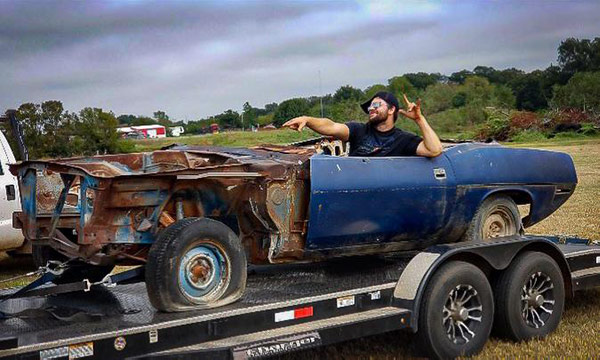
(118, 204)
(124, 201)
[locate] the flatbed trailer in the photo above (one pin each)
(291, 308)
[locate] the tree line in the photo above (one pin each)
(483, 102)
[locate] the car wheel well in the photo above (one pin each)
(520, 197)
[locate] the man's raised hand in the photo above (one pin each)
(413, 111)
(297, 123)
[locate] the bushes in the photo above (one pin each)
(525, 126)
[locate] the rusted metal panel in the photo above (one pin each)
(117, 203)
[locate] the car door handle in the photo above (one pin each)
(10, 192)
(439, 173)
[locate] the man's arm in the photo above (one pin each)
(431, 146)
(323, 126)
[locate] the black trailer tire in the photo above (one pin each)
(447, 327)
(498, 215)
(77, 270)
(523, 312)
(196, 263)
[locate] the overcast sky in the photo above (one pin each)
(192, 59)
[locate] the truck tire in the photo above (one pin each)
(196, 263)
(498, 215)
(77, 271)
(457, 311)
(530, 297)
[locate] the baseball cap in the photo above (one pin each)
(388, 97)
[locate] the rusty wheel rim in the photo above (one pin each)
(499, 222)
(204, 272)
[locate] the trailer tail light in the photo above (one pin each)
(294, 314)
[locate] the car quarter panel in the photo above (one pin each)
(360, 200)
(546, 179)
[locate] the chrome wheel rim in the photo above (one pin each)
(537, 300)
(462, 314)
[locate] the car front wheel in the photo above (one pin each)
(196, 263)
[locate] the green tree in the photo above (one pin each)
(143, 120)
(459, 77)
(290, 109)
(96, 131)
(581, 92)
(439, 97)
(270, 108)
(422, 80)
(347, 93)
(250, 115)
(162, 118)
(374, 89)
(46, 129)
(576, 55)
(529, 92)
(126, 119)
(399, 85)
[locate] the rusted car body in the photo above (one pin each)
(284, 203)
(127, 199)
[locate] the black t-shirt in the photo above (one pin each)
(366, 140)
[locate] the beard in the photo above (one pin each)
(379, 118)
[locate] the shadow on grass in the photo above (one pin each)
(11, 266)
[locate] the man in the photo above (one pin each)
(378, 137)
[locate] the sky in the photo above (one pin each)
(194, 59)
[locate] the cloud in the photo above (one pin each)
(194, 59)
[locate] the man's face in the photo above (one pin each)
(378, 111)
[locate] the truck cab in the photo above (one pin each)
(11, 239)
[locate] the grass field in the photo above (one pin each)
(577, 336)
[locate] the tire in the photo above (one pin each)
(440, 322)
(196, 263)
(496, 216)
(539, 314)
(77, 271)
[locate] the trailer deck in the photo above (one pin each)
(124, 310)
(285, 308)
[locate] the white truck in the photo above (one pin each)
(11, 239)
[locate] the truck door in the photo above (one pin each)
(370, 200)
(10, 200)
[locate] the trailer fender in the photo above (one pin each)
(496, 254)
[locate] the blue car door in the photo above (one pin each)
(369, 200)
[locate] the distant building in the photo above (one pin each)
(176, 130)
(149, 131)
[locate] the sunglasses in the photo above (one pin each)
(376, 105)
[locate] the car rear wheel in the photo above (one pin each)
(196, 263)
(497, 216)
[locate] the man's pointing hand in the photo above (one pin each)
(297, 123)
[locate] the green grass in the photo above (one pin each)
(233, 138)
(15, 266)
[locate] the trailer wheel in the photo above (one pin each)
(496, 216)
(77, 271)
(196, 263)
(530, 297)
(457, 311)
